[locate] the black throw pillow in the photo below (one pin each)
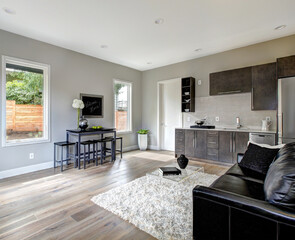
(258, 159)
(279, 185)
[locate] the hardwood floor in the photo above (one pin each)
(53, 205)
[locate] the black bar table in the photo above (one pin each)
(88, 132)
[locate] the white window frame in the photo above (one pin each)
(129, 116)
(46, 101)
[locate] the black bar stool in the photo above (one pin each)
(87, 152)
(121, 145)
(69, 157)
(103, 148)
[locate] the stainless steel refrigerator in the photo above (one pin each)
(286, 110)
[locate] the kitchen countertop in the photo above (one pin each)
(231, 129)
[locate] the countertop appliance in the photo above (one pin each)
(262, 138)
(203, 126)
(286, 110)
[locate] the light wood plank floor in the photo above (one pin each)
(52, 205)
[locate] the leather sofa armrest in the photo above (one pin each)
(247, 204)
(240, 157)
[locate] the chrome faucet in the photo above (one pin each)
(238, 124)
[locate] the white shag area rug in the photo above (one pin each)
(159, 207)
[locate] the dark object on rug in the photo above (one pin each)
(234, 207)
(279, 185)
(258, 159)
(182, 161)
(169, 171)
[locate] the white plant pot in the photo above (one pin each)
(142, 141)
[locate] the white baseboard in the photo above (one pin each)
(41, 166)
(27, 169)
(153, 147)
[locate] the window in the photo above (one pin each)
(25, 100)
(122, 94)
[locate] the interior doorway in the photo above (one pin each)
(169, 112)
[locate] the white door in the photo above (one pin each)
(170, 112)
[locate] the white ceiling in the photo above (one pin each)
(127, 26)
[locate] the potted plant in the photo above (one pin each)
(143, 139)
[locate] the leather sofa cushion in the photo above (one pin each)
(258, 159)
(279, 186)
(245, 173)
(240, 186)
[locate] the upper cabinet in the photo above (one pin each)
(264, 87)
(286, 67)
(231, 81)
(188, 94)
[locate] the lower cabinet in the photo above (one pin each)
(225, 147)
(222, 146)
(230, 144)
(195, 144)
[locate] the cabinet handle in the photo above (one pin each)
(234, 142)
(194, 140)
(231, 143)
(212, 142)
(228, 92)
(252, 98)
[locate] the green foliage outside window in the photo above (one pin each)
(24, 87)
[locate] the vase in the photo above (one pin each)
(83, 123)
(182, 161)
(142, 141)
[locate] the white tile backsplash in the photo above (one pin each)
(227, 108)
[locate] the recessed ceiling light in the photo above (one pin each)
(9, 10)
(280, 27)
(149, 63)
(159, 21)
(104, 46)
(198, 49)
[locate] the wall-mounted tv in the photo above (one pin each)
(93, 105)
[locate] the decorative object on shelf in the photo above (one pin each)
(142, 139)
(83, 123)
(186, 93)
(182, 161)
(187, 100)
(186, 110)
(78, 104)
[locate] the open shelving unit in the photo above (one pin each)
(188, 94)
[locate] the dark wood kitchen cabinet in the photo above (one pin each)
(230, 144)
(220, 146)
(264, 87)
(286, 67)
(225, 152)
(179, 142)
(231, 81)
(240, 142)
(195, 144)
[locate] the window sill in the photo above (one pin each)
(24, 142)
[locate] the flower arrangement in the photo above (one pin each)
(78, 104)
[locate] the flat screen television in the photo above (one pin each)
(93, 105)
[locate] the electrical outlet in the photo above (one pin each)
(217, 119)
(32, 155)
(188, 119)
(267, 119)
(199, 82)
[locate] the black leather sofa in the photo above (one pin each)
(234, 208)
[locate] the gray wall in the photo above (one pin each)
(71, 74)
(200, 68)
